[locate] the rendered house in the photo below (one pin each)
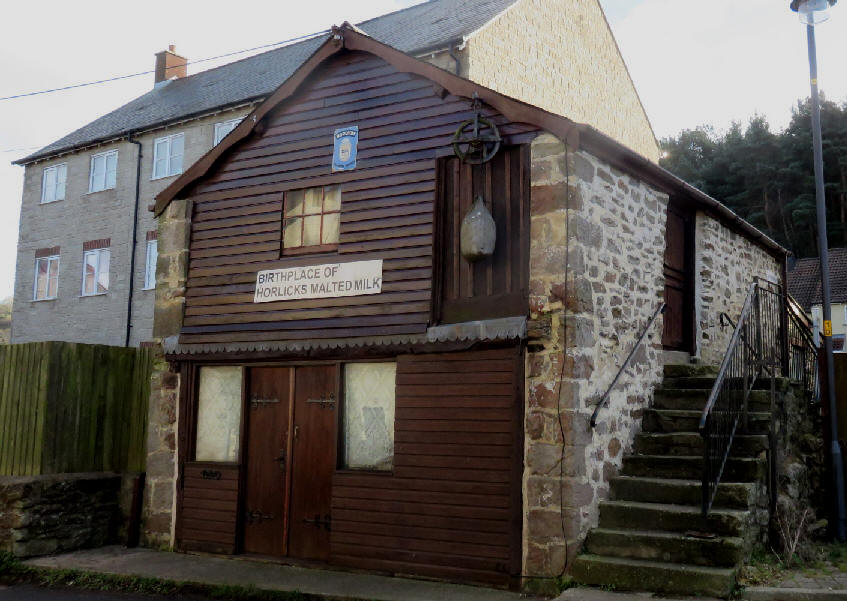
(87, 247)
(804, 283)
(357, 377)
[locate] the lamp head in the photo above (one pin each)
(812, 12)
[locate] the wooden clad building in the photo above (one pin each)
(353, 389)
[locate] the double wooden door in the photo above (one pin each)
(290, 459)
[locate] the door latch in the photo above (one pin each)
(327, 403)
(257, 517)
(318, 522)
(281, 459)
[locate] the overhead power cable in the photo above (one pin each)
(202, 60)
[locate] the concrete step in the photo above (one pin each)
(707, 382)
(731, 495)
(691, 443)
(684, 370)
(680, 420)
(666, 546)
(690, 467)
(627, 515)
(645, 575)
(694, 399)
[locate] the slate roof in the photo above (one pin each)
(428, 26)
(804, 279)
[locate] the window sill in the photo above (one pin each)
(43, 300)
(345, 471)
(50, 202)
(90, 192)
(95, 294)
(153, 179)
(323, 249)
(149, 288)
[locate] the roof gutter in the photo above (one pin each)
(134, 238)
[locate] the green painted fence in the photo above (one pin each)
(68, 407)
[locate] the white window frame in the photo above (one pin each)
(224, 127)
(98, 252)
(169, 163)
(93, 186)
(59, 176)
(150, 265)
(50, 260)
(845, 315)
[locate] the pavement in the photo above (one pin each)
(204, 569)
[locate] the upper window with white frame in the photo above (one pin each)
(46, 285)
(167, 155)
(95, 267)
(53, 183)
(104, 169)
(150, 268)
(222, 129)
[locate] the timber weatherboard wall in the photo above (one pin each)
(68, 407)
(386, 207)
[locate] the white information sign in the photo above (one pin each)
(319, 281)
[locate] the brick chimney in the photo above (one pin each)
(170, 65)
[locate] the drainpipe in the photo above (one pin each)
(134, 238)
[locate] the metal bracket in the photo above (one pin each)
(328, 403)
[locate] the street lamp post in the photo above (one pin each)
(814, 12)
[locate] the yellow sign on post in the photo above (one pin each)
(827, 328)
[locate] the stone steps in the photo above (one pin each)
(679, 420)
(640, 574)
(671, 518)
(666, 546)
(690, 467)
(707, 382)
(679, 492)
(694, 399)
(652, 535)
(691, 443)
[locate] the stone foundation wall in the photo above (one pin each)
(41, 515)
(597, 248)
(725, 265)
(171, 273)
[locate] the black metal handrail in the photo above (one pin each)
(727, 402)
(605, 397)
(771, 337)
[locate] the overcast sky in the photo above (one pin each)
(693, 62)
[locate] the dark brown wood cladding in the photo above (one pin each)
(497, 286)
(452, 507)
(208, 517)
(387, 206)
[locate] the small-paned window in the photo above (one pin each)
(95, 271)
(104, 169)
(53, 183)
(46, 278)
(150, 265)
(311, 219)
(167, 155)
(218, 413)
(222, 129)
(369, 416)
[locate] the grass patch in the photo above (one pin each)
(12, 571)
(818, 560)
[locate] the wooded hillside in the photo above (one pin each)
(768, 177)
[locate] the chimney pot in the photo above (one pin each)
(170, 65)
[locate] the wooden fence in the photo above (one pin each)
(68, 407)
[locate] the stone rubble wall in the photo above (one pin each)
(42, 515)
(725, 265)
(159, 509)
(570, 66)
(596, 256)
